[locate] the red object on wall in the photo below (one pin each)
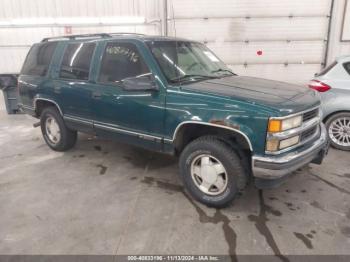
(259, 52)
(67, 30)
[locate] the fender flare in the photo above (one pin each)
(48, 100)
(213, 125)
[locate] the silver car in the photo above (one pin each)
(333, 84)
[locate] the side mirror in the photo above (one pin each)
(144, 82)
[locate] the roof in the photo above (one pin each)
(113, 36)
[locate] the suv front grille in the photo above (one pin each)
(305, 135)
(310, 114)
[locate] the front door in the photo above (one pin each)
(124, 113)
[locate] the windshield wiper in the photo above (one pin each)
(185, 77)
(223, 70)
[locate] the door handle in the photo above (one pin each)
(96, 95)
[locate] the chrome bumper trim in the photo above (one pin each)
(273, 167)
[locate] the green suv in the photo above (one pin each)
(173, 96)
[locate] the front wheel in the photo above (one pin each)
(211, 171)
(56, 135)
(338, 127)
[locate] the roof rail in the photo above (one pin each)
(101, 35)
(72, 37)
(113, 34)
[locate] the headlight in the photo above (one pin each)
(273, 143)
(277, 125)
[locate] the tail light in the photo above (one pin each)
(318, 86)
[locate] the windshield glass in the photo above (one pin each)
(183, 61)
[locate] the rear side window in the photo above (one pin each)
(38, 59)
(347, 67)
(120, 61)
(76, 61)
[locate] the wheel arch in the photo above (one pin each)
(40, 103)
(187, 131)
(334, 113)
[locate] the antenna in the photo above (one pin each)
(176, 46)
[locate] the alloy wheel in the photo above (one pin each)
(209, 175)
(52, 130)
(339, 131)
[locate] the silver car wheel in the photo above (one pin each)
(209, 175)
(339, 131)
(52, 130)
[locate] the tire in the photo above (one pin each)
(338, 128)
(65, 138)
(196, 181)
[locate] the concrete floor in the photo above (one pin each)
(103, 197)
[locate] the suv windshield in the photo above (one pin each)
(183, 61)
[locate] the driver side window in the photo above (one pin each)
(120, 61)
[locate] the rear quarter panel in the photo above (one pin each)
(32, 87)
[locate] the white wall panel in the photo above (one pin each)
(27, 36)
(223, 25)
(68, 8)
(287, 32)
(12, 59)
(2, 102)
(252, 29)
(15, 40)
(272, 52)
(297, 74)
(232, 8)
(23, 36)
(337, 47)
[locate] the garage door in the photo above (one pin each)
(23, 23)
(276, 39)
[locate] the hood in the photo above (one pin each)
(284, 97)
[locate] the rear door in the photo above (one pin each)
(71, 85)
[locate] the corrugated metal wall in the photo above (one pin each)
(290, 34)
(338, 47)
(16, 39)
(2, 102)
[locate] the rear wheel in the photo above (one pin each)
(338, 127)
(212, 171)
(56, 135)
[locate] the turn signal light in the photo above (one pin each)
(318, 86)
(272, 145)
(275, 126)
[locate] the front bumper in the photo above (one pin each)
(279, 166)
